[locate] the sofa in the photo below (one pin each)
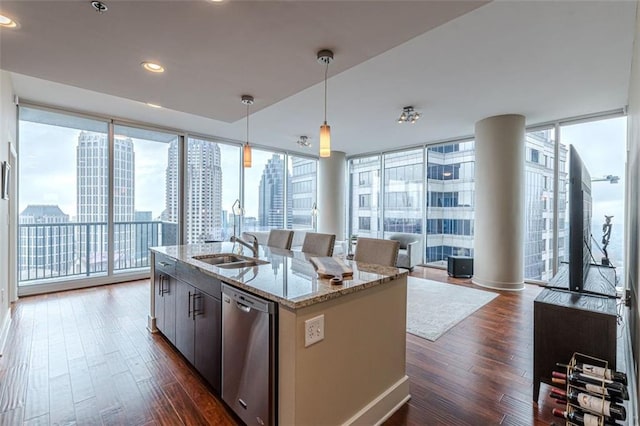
(410, 253)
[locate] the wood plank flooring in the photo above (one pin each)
(85, 357)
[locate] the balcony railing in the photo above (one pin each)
(59, 250)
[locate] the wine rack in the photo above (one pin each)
(593, 393)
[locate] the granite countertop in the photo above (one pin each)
(288, 278)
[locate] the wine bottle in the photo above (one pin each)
(585, 419)
(558, 393)
(558, 375)
(597, 405)
(598, 386)
(593, 370)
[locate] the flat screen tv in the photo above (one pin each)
(579, 221)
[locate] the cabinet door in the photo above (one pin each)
(170, 296)
(185, 323)
(158, 283)
(208, 338)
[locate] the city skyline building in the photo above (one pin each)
(203, 191)
(304, 178)
(46, 244)
(92, 183)
(271, 195)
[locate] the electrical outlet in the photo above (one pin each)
(313, 330)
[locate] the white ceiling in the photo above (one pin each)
(456, 62)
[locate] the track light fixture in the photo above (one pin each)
(409, 115)
(304, 141)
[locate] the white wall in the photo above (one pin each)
(7, 135)
(633, 195)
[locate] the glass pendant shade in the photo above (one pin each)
(246, 155)
(325, 140)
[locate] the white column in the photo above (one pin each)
(331, 194)
(499, 213)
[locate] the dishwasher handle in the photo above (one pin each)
(242, 307)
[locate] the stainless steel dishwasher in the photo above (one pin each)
(248, 356)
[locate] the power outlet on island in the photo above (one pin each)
(313, 330)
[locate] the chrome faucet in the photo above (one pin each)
(253, 247)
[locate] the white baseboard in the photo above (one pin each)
(4, 330)
(151, 324)
(383, 406)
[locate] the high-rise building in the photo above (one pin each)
(303, 192)
(203, 191)
(364, 196)
(271, 194)
(538, 224)
(93, 198)
(46, 243)
(450, 200)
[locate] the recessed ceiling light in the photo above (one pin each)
(152, 67)
(7, 22)
(216, 1)
(154, 105)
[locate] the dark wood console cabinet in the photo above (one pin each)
(566, 322)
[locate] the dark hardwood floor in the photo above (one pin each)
(86, 357)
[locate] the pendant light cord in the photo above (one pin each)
(326, 70)
(247, 123)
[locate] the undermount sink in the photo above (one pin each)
(241, 264)
(229, 260)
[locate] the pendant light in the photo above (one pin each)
(246, 150)
(325, 57)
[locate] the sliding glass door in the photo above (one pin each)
(144, 172)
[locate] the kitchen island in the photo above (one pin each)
(356, 373)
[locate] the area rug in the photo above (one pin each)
(434, 307)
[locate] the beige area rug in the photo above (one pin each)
(434, 307)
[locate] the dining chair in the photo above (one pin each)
(377, 251)
(280, 238)
(318, 244)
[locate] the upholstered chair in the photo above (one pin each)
(376, 251)
(280, 238)
(318, 244)
(410, 253)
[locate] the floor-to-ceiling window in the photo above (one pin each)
(539, 203)
(141, 170)
(302, 192)
(450, 201)
(365, 196)
(212, 184)
(63, 196)
(265, 196)
(601, 145)
(403, 192)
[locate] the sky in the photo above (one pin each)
(602, 148)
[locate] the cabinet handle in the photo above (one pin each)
(189, 307)
(196, 311)
(165, 290)
(165, 264)
(161, 281)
